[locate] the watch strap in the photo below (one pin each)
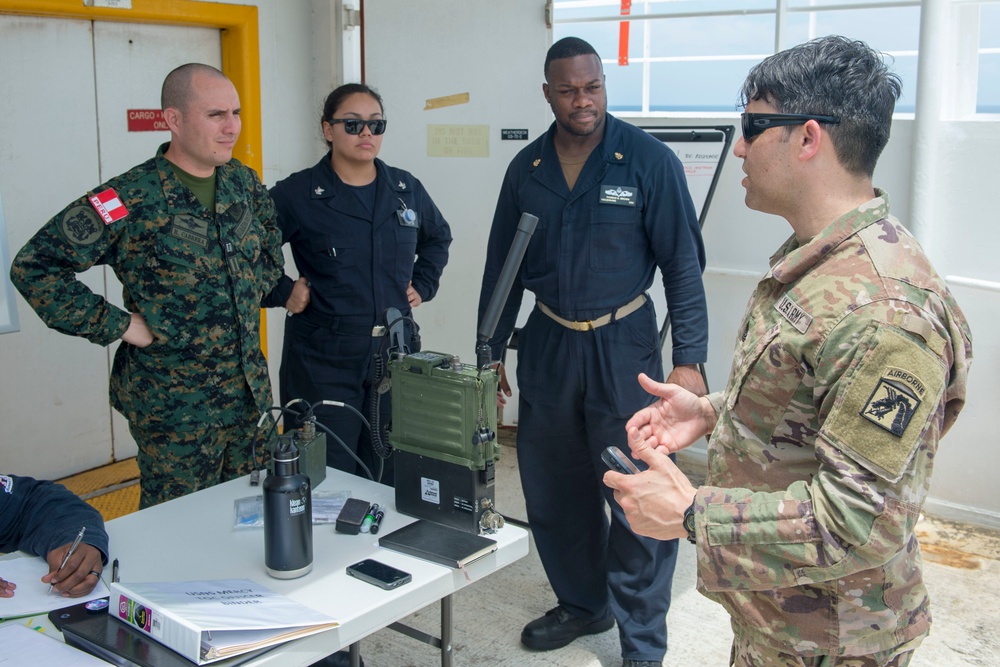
(689, 523)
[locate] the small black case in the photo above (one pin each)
(351, 515)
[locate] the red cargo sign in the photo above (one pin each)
(146, 120)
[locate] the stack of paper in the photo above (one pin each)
(24, 646)
(32, 596)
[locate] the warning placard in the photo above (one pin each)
(146, 120)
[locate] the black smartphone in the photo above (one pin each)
(617, 461)
(379, 574)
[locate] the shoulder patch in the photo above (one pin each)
(893, 404)
(108, 205)
(81, 226)
(885, 401)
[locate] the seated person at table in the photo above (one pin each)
(44, 518)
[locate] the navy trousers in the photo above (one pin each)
(320, 363)
(577, 390)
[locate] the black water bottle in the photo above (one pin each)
(288, 545)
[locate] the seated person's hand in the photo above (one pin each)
(7, 588)
(80, 574)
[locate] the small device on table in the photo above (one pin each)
(379, 574)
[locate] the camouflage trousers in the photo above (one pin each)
(746, 653)
(175, 463)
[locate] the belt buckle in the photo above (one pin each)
(378, 331)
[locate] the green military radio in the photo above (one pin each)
(444, 420)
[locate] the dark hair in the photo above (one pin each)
(341, 93)
(833, 76)
(176, 91)
(568, 47)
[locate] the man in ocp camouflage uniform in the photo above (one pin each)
(850, 365)
(191, 235)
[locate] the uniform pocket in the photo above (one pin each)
(613, 233)
(768, 378)
(335, 257)
(406, 253)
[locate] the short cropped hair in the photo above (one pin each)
(833, 76)
(341, 93)
(568, 47)
(176, 91)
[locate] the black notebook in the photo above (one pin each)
(438, 544)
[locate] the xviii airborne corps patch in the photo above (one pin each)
(894, 401)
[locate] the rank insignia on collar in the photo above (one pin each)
(619, 156)
(536, 162)
(402, 185)
(319, 190)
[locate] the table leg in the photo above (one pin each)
(355, 654)
(446, 612)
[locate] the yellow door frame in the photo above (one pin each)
(240, 54)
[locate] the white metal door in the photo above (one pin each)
(131, 61)
(61, 133)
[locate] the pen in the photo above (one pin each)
(377, 522)
(366, 523)
(72, 548)
(114, 571)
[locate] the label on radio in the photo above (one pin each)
(430, 490)
(463, 504)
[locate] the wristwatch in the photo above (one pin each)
(689, 523)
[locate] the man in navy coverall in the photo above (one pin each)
(613, 205)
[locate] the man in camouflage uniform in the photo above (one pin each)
(191, 235)
(851, 364)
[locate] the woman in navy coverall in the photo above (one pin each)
(365, 237)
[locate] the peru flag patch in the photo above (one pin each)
(109, 206)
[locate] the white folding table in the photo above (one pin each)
(193, 538)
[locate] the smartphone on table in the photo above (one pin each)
(379, 574)
(615, 459)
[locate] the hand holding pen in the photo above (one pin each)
(75, 568)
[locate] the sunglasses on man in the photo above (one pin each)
(356, 125)
(755, 123)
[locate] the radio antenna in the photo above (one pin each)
(525, 228)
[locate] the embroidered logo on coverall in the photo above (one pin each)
(622, 195)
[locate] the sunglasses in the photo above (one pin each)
(356, 125)
(755, 123)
